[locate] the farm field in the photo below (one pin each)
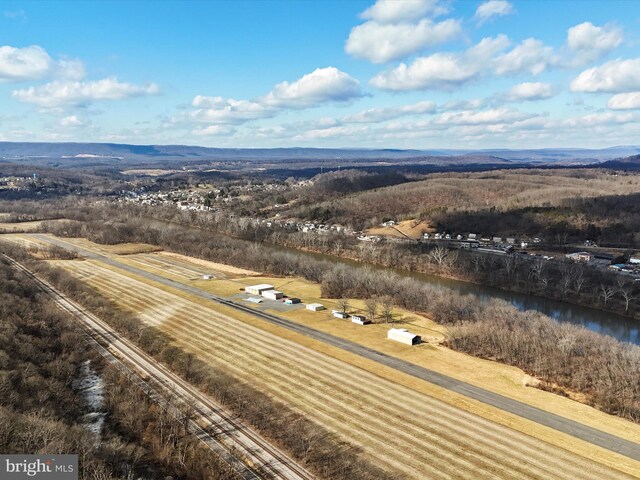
(399, 427)
(283, 371)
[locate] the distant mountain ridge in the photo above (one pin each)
(15, 151)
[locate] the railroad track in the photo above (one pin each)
(249, 454)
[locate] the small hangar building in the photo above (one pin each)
(402, 335)
(258, 289)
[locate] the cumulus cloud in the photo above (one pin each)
(444, 71)
(625, 101)
(375, 115)
(590, 43)
(491, 9)
(530, 91)
(34, 63)
(531, 56)
(20, 64)
(396, 29)
(392, 11)
(64, 93)
(381, 43)
(320, 86)
(323, 85)
(616, 76)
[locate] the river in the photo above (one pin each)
(623, 328)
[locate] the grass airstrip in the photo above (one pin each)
(401, 423)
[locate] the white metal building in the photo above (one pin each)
(340, 314)
(360, 320)
(402, 335)
(258, 289)
(272, 294)
(315, 307)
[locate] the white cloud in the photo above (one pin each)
(20, 64)
(531, 56)
(213, 131)
(323, 85)
(491, 9)
(375, 115)
(34, 63)
(625, 101)
(70, 69)
(589, 42)
(605, 119)
(473, 104)
(320, 86)
(616, 76)
(71, 121)
(64, 93)
(530, 91)
(332, 132)
(221, 110)
(393, 11)
(381, 43)
(483, 117)
(443, 71)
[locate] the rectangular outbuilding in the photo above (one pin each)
(315, 307)
(272, 294)
(339, 314)
(360, 320)
(402, 335)
(258, 289)
(292, 301)
(207, 277)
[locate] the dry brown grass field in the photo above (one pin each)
(402, 423)
(398, 427)
(408, 228)
(23, 226)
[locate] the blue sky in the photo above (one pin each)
(391, 73)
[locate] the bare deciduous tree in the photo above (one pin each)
(372, 308)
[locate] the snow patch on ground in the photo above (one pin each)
(90, 385)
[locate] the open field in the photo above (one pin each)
(221, 267)
(25, 241)
(23, 226)
(409, 228)
(117, 249)
(388, 420)
(506, 380)
(497, 377)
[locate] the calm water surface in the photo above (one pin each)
(622, 328)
